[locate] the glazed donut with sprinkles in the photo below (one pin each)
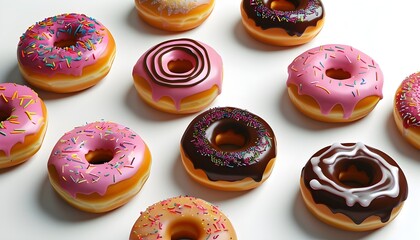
(182, 218)
(229, 149)
(66, 53)
(23, 123)
(99, 167)
(407, 109)
(335, 83)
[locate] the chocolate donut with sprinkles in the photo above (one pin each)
(182, 218)
(353, 186)
(283, 22)
(334, 83)
(229, 149)
(66, 53)
(99, 167)
(407, 109)
(23, 123)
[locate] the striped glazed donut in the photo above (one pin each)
(179, 76)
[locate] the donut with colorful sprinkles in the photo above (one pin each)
(23, 123)
(66, 53)
(353, 186)
(99, 167)
(229, 149)
(283, 22)
(183, 218)
(334, 83)
(407, 109)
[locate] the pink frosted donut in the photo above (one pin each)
(335, 83)
(179, 76)
(99, 167)
(407, 109)
(23, 123)
(66, 53)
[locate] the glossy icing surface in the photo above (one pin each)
(62, 44)
(21, 115)
(385, 189)
(206, 69)
(159, 220)
(294, 22)
(308, 72)
(170, 7)
(250, 160)
(77, 175)
(407, 100)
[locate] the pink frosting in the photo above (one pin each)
(26, 115)
(77, 175)
(37, 50)
(407, 101)
(206, 69)
(308, 73)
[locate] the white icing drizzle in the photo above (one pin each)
(176, 6)
(387, 186)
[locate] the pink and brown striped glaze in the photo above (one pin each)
(206, 71)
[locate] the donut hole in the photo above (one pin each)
(356, 173)
(185, 230)
(179, 61)
(229, 136)
(66, 42)
(283, 5)
(5, 112)
(180, 66)
(338, 74)
(99, 156)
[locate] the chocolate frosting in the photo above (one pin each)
(376, 196)
(250, 160)
(307, 13)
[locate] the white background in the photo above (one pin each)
(254, 79)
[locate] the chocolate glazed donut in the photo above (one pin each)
(355, 180)
(305, 13)
(229, 145)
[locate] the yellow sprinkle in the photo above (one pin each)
(323, 88)
(29, 115)
(4, 98)
(17, 131)
(28, 103)
(119, 171)
(14, 95)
